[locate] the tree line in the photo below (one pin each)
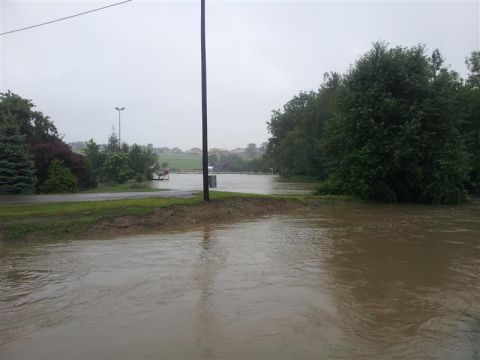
(35, 159)
(398, 126)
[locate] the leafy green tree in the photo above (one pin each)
(473, 65)
(32, 124)
(95, 159)
(396, 136)
(227, 162)
(16, 169)
(297, 131)
(116, 168)
(471, 126)
(60, 179)
(125, 147)
(143, 161)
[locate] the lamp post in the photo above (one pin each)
(119, 129)
(206, 193)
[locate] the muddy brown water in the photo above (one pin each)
(351, 280)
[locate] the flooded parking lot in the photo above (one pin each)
(253, 184)
(354, 279)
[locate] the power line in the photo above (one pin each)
(64, 18)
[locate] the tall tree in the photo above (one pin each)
(143, 161)
(396, 136)
(16, 169)
(113, 144)
(32, 124)
(95, 159)
(298, 129)
(471, 128)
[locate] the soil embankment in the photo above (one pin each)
(117, 218)
(184, 216)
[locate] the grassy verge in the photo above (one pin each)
(181, 161)
(129, 186)
(52, 221)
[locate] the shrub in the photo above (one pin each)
(60, 179)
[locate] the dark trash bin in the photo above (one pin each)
(212, 181)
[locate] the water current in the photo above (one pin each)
(348, 280)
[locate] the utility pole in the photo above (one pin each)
(206, 192)
(119, 129)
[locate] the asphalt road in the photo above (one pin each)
(33, 199)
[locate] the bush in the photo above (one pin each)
(60, 179)
(44, 152)
(115, 168)
(139, 178)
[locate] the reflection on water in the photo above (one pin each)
(350, 280)
(253, 184)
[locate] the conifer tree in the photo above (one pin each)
(16, 169)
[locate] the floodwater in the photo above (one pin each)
(351, 280)
(253, 184)
(179, 185)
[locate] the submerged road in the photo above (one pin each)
(33, 199)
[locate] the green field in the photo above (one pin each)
(181, 161)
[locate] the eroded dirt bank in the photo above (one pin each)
(113, 220)
(187, 216)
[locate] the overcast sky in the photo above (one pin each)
(145, 56)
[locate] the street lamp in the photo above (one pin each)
(119, 130)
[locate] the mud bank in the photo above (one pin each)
(186, 216)
(132, 218)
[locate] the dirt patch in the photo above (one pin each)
(187, 216)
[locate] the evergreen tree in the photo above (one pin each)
(16, 169)
(113, 143)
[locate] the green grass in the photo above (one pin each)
(64, 220)
(181, 161)
(91, 208)
(129, 186)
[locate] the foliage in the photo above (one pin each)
(396, 137)
(263, 164)
(16, 169)
(471, 126)
(395, 127)
(44, 152)
(113, 143)
(227, 162)
(143, 162)
(60, 179)
(95, 159)
(116, 168)
(297, 130)
(32, 124)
